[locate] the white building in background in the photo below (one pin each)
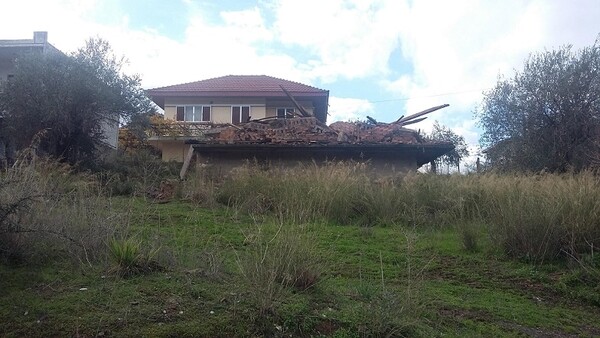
(10, 50)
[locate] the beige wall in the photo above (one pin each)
(170, 112)
(220, 107)
(172, 150)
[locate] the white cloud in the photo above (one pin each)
(348, 38)
(348, 109)
(461, 47)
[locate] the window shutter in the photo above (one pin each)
(206, 113)
(245, 114)
(180, 113)
(235, 115)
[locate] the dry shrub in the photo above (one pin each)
(49, 211)
(279, 258)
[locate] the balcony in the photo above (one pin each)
(166, 129)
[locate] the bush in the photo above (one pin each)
(130, 259)
(135, 174)
(279, 258)
(47, 210)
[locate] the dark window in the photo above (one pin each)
(206, 113)
(240, 114)
(245, 113)
(283, 113)
(180, 113)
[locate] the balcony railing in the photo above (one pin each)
(174, 129)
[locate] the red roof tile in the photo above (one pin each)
(243, 85)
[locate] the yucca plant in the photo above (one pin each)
(128, 257)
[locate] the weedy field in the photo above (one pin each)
(316, 251)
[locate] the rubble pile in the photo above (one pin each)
(362, 132)
(300, 130)
(293, 130)
(305, 128)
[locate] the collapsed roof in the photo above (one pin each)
(304, 129)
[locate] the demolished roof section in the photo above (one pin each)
(307, 129)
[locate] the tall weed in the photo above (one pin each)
(47, 211)
(535, 217)
(279, 257)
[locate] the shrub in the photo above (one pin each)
(47, 210)
(279, 258)
(130, 259)
(135, 173)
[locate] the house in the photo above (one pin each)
(227, 120)
(11, 50)
(232, 99)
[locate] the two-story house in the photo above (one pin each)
(231, 99)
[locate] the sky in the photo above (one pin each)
(382, 58)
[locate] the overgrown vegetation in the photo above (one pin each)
(47, 211)
(72, 103)
(315, 250)
(546, 117)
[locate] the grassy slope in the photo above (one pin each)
(368, 273)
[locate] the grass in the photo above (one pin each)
(455, 292)
(413, 256)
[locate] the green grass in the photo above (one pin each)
(374, 281)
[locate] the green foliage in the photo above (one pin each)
(546, 117)
(134, 174)
(72, 99)
(442, 133)
(130, 258)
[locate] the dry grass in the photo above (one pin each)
(536, 217)
(50, 211)
(278, 257)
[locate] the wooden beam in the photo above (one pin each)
(296, 104)
(412, 121)
(426, 111)
(186, 162)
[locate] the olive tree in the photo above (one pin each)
(547, 117)
(441, 133)
(66, 102)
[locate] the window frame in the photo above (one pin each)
(287, 110)
(241, 113)
(195, 113)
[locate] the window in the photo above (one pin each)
(240, 114)
(283, 113)
(193, 113)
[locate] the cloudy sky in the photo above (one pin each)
(382, 58)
